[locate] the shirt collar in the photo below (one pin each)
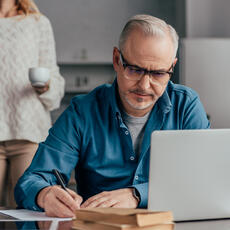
(164, 101)
(114, 98)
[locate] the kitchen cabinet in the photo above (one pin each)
(204, 67)
(87, 30)
(82, 78)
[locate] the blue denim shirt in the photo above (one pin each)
(91, 137)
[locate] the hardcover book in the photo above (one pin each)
(138, 217)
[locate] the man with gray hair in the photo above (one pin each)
(105, 135)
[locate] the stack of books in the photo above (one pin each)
(122, 219)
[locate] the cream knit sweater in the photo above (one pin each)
(24, 43)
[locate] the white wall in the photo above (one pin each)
(207, 18)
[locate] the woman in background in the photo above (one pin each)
(26, 40)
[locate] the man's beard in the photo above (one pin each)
(136, 106)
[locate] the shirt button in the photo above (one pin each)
(131, 158)
(136, 177)
(126, 132)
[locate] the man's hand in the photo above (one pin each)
(41, 89)
(120, 198)
(57, 202)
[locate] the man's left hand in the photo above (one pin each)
(120, 198)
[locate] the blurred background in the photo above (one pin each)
(87, 30)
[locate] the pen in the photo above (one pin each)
(59, 178)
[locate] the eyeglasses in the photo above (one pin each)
(135, 73)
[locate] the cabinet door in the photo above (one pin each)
(87, 30)
(204, 66)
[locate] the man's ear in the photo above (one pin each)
(175, 61)
(116, 59)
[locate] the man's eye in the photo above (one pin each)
(134, 70)
(158, 74)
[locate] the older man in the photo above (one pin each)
(105, 135)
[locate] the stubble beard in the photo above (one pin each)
(136, 105)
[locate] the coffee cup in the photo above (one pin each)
(39, 76)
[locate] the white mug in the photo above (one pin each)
(38, 76)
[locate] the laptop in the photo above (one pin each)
(190, 173)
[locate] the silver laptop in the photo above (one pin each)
(190, 173)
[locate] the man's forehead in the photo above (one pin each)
(143, 50)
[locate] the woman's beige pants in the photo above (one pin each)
(15, 157)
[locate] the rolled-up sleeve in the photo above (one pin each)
(60, 151)
(143, 191)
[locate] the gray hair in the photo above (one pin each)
(151, 26)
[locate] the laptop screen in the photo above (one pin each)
(189, 173)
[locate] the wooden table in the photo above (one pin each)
(204, 225)
(66, 225)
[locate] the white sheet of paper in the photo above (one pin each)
(24, 214)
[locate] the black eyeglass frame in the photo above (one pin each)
(125, 64)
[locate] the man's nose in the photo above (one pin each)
(144, 82)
